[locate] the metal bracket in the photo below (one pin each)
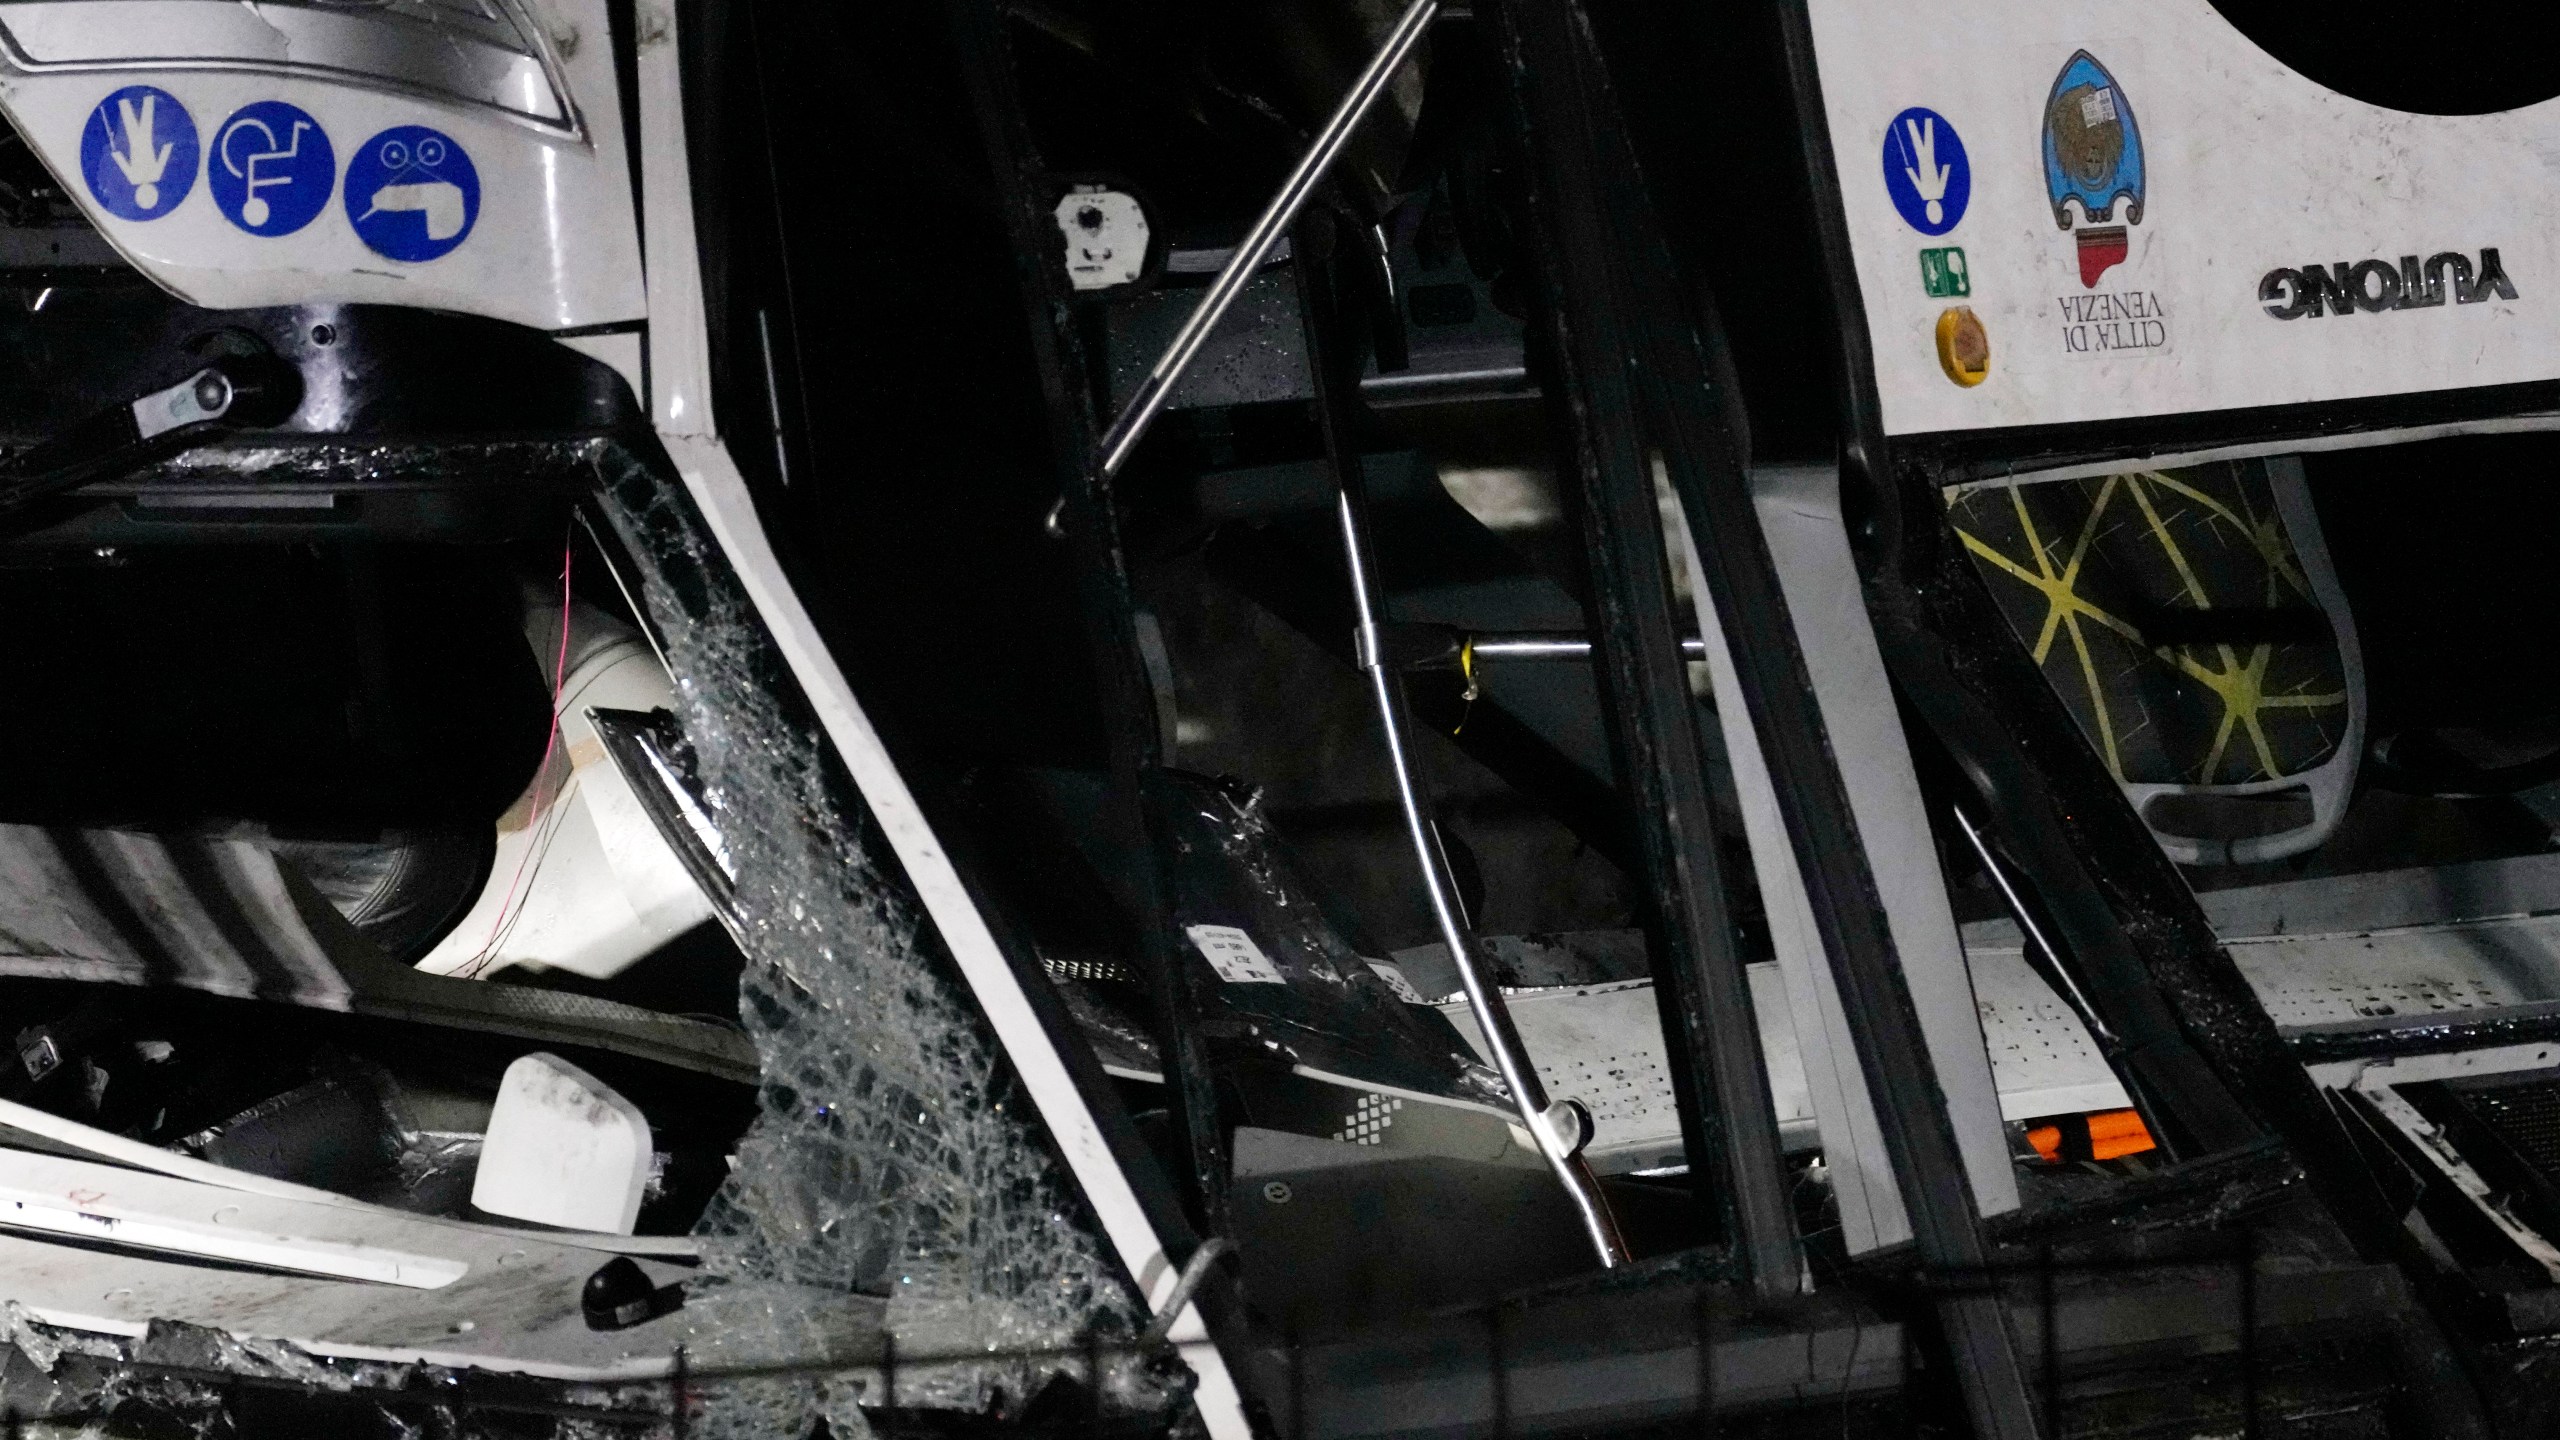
(2430, 1141)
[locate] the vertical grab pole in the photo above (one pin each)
(1560, 1127)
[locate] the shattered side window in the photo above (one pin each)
(892, 1149)
(523, 1136)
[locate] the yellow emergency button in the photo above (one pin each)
(1964, 347)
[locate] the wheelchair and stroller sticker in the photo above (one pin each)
(272, 168)
(412, 194)
(138, 153)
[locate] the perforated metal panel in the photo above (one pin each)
(2422, 970)
(2386, 947)
(1623, 1091)
(2042, 1059)
(1601, 1045)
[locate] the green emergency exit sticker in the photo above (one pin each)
(1943, 275)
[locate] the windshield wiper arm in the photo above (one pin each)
(231, 393)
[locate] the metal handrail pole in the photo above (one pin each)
(2034, 933)
(1522, 645)
(1544, 1118)
(1131, 426)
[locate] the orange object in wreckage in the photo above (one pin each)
(2107, 1135)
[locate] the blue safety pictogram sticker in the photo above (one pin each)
(138, 153)
(1925, 171)
(412, 194)
(272, 168)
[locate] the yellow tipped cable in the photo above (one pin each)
(1467, 668)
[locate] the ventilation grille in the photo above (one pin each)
(2526, 1117)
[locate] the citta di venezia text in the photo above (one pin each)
(2113, 320)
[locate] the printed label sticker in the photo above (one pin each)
(1235, 957)
(1943, 274)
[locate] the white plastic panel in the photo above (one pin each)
(564, 1149)
(2248, 169)
(1800, 514)
(1790, 1092)
(479, 50)
(679, 354)
(506, 1302)
(549, 238)
(582, 880)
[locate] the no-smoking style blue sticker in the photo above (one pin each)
(412, 194)
(1925, 171)
(138, 153)
(272, 168)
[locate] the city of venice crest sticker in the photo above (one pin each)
(2093, 163)
(2092, 155)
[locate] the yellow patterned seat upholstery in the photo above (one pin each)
(2191, 622)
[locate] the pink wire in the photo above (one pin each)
(533, 822)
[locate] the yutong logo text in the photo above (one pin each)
(2371, 285)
